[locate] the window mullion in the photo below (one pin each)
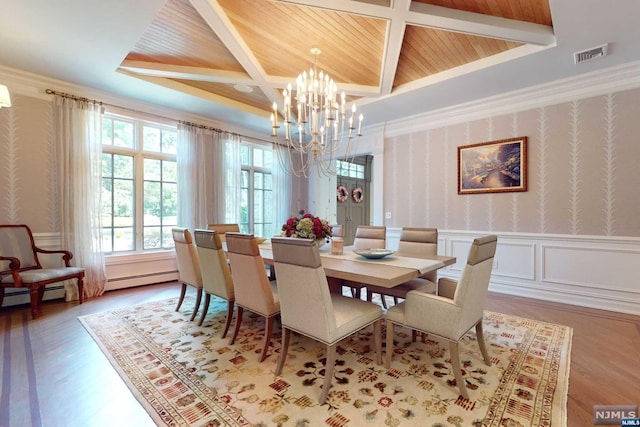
(139, 191)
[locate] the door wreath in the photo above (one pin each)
(357, 194)
(342, 193)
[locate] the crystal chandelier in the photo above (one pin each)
(315, 128)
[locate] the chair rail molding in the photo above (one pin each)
(589, 271)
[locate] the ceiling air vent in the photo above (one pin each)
(589, 54)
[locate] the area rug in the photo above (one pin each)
(184, 374)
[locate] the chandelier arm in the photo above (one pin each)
(322, 122)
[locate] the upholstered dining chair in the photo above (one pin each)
(367, 237)
(188, 266)
(216, 275)
(308, 308)
(417, 243)
(457, 308)
(223, 228)
(252, 287)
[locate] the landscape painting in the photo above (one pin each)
(493, 167)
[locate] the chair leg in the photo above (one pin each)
(183, 291)
(414, 335)
(207, 300)
(80, 290)
(384, 301)
(455, 361)
(481, 343)
(268, 331)
(328, 372)
(230, 305)
(286, 336)
(390, 326)
(197, 305)
(35, 303)
(377, 339)
(237, 327)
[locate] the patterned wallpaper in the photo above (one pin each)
(27, 171)
(583, 157)
(583, 165)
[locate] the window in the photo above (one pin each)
(139, 184)
(351, 170)
(256, 189)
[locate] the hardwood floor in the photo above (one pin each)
(54, 374)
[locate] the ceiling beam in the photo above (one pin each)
(200, 93)
(219, 22)
(460, 21)
(183, 72)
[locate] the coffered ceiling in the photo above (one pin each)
(243, 53)
(227, 61)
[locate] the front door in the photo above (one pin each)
(353, 207)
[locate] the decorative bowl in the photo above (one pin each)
(261, 240)
(373, 253)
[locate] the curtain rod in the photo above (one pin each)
(80, 98)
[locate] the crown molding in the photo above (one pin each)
(34, 85)
(586, 85)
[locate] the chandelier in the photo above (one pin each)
(316, 127)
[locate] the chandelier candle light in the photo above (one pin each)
(321, 123)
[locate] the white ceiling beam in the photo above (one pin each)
(393, 45)
(460, 21)
(214, 15)
(183, 72)
(194, 91)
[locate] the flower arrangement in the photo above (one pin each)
(306, 226)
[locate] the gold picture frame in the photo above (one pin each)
(493, 167)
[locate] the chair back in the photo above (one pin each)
(337, 230)
(370, 237)
(305, 301)
(419, 243)
(216, 275)
(250, 281)
(224, 228)
(187, 257)
(16, 241)
(473, 285)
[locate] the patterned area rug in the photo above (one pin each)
(184, 374)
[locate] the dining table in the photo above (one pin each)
(387, 272)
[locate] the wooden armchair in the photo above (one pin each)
(20, 267)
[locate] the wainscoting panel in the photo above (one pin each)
(590, 271)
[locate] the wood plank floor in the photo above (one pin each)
(54, 374)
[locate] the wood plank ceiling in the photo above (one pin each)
(242, 53)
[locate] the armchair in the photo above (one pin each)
(223, 228)
(416, 243)
(451, 314)
(20, 267)
(216, 276)
(188, 266)
(367, 237)
(308, 308)
(252, 287)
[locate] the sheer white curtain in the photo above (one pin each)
(282, 190)
(77, 138)
(208, 177)
(231, 171)
(196, 183)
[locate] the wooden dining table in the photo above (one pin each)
(386, 272)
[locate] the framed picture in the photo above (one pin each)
(493, 167)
